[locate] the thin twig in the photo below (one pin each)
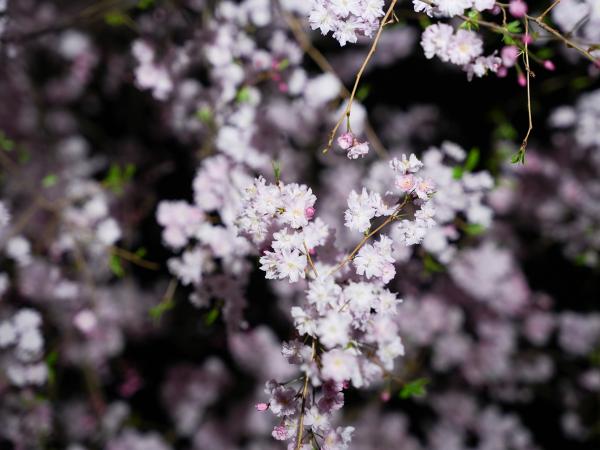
(310, 261)
(300, 434)
(528, 74)
(346, 114)
(364, 240)
(133, 258)
(548, 9)
(320, 60)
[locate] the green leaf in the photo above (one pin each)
(276, 171)
(424, 21)
(514, 27)
(145, 4)
(114, 263)
(51, 360)
(243, 95)
(283, 64)
(117, 177)
(474, 229)
(545, 53)
(363, 92)
(472, 159)
(204, 114)
(457, 172)
(431, 265)
(141, 252)
(156, 312)
(211, 316)
(505, 131)
(518, 158)
(116, 18)
(49, 180)
(6, 144)
(415, 388)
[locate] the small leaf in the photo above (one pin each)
(156, 312)
(415, 388)
(514, 27)
(243, 95)
(474, 229)
(204, 114)
(276, 171)
(115, 18)
(283, 64)
(457, 172)
(472, 159)
(506, 131)
(49, 180)
(431, 265)
(115, 265)
(145, 4)
(363, 92)
(211, 316)
(424, 21)
(518, 158)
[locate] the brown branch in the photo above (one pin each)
(364, 240)
(346, 114)
(300, 434)
(528, 72)
(320, 60)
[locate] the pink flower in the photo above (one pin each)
(262, 406)
(346, 140)
(360, 149)
(509, 55)
(522, 80)
(517, 8)
(405, 183)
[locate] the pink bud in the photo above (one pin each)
(309, 212)
(527, 39)
(262, 406)
(312, 252)
(385, 396)
(346, 140)
(517, 8)
(502, 72)
(549, 65)
(522, 80)
(283, 87)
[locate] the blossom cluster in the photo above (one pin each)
(346, 19)
(461, 47)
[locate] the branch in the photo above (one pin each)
(320, 60)
(359, 75)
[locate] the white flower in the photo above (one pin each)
(464, 47)
(291, 264)
(334, 328)
(108, 231)
(337, 365)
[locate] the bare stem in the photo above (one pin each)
(346, 114)
(300, 434)
(320, 60)
(310, 261)
(548, 9)
(528, 74)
